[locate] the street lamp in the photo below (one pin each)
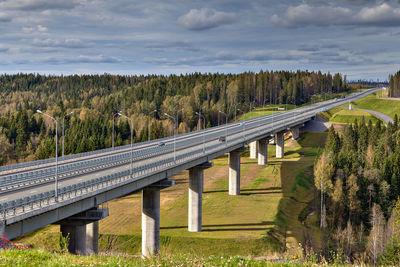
(226, 126)
(173, 119)
(56, 180)
(251, 107)
(177, 119)
(130, 120)
(63, 135)
(204, 131)
(115, 114)
(244, 124)
(149, 122)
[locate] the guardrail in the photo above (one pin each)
(26, 204)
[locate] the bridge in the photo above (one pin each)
(72, 192)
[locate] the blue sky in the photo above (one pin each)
(359, 38)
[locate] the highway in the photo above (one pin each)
(30, 182)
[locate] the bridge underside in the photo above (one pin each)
(73, 215)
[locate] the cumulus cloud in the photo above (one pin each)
(37, 5)
(205, 18)
(63, 43)
(4, 17)
(305, 15)
(38, 28)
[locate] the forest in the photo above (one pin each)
(394, 85)
(358, 177)
(95, 99)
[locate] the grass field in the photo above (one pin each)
(256, 223)
(351, 116)
(385, 106)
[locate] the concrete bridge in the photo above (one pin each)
(30, 198)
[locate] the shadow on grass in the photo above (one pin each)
(244, 191)
(263, 223)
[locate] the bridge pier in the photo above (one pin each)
(295, 133)
(263, 151)
(234, 171)
(253, 150)
(196, 175)
(151, 217)
(82, 231)
(280, 145)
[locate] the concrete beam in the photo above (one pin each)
(151, 217)
(253, 150)
(234, 172)
(262, 151)
(280, 145)
(295, 133)
(196, 175)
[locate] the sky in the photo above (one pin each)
(358, 38)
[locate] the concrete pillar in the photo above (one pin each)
(195, 199)
(234, 173)
(295, 133)
(253, 150)
(76, 233)
(262, 151)
(150, 221)
(92, 238)
(280, 145)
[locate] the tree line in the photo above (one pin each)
(394, 85)
(358, 177)
(25, 135)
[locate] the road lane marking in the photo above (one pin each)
(34, 191)
(4, 199)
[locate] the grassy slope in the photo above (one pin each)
(272, 199)
(350, 116)
(385, 106)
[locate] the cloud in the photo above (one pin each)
(4, 17)
(63, 43)
(82, 59)
(305, 15)
(38, 28)
(37, 5)
(173, 45)
(205, 18)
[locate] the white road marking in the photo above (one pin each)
(34, 191)
(4, 199)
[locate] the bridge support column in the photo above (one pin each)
(75, 233)
(280, 145)
(151, 217)
(92, 238)
(262, 151)
(295, 133)
(196, 175)
(272, 140)
(82, 231)
(253, 150)
(234, 171)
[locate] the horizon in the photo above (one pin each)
(355, 38)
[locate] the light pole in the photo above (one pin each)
(204, 131)
(56, 180)
(173, 119)
(251, 107)
(149, 122)
(115, 114)
(130, 120)
(226, 126)
(63, 135)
